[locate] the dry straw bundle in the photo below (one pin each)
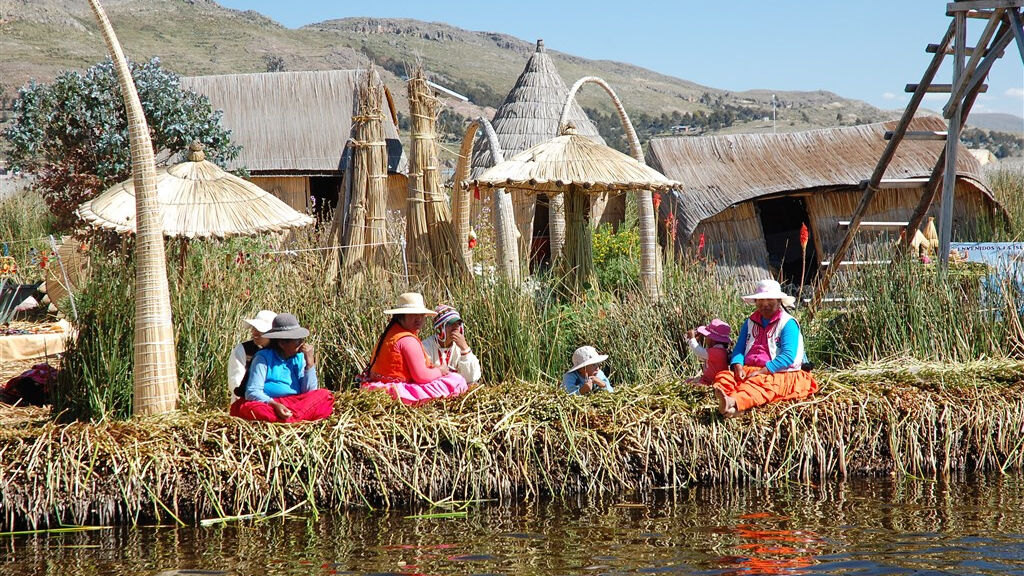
(514, 441)
(364, 229)
(430, 236)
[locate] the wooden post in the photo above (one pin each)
(952, 142)
(883, 163)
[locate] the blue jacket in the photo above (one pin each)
(271, 376)
(573, 381)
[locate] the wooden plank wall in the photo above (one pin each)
(294, 190)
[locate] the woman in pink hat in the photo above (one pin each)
(713, 349)
(400, 366)
(767, 360)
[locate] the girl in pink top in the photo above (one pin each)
(713, 349)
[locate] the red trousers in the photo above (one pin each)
(313, 405)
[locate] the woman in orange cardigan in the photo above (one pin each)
(400, 365)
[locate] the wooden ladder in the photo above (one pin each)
(971, 66)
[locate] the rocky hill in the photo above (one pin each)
(39, 38)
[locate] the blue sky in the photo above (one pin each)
(863, 49)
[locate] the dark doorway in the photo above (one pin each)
(540, 247)
(780, 220)
(324, 191)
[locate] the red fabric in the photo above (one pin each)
(313, 405)
(718, 360)
(760, 390)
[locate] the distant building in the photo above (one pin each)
(293, 128)
(748, 194)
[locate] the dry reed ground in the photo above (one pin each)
(511, 441)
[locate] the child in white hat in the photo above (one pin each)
(586, 376)
(242, 354)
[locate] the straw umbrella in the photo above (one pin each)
(155, 366)
(577, 167)
(430, 236)
(643, 206)
(197, 199)
(528, 116)
(504, 216)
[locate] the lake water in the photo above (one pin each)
(903, 526)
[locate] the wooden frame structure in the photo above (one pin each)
(971, 66)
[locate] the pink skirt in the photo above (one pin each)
(411, 393)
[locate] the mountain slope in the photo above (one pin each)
(40, 38)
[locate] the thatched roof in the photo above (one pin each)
(529, 114)
(291, 121)
(720, 171)
(572, 161)
(197, 200)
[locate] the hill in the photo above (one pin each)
(39, 38)
(997, 122)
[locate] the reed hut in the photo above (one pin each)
(529, 116)
(293, 127)
(747, 195)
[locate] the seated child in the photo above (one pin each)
(242, 354)
(713, 349)
(586, 376)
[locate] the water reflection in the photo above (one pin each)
(972, 526)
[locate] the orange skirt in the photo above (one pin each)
(766, 388)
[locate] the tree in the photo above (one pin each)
(73, 133)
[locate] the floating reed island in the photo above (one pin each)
(511, 441)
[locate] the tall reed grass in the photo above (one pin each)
(908, 310)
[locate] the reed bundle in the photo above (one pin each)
(577, 254)
(513, 441)
(364, 229)
(431, 238)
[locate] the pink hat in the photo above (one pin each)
(716, 330)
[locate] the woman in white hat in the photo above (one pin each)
(283, 385)
(242, 354)
(586, 375)
(400, 366)
(766, 363)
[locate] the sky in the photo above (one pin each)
(862, 49)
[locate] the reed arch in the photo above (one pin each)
(504, 219)
(155, 370)
(649, 265)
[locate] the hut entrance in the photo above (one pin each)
(540, 248)
(325, 190)
(780, 220)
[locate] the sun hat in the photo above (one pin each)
(263, 321)
(585, 356)
(286, 327)
(716, 330)
(769, 290)
(411, 303)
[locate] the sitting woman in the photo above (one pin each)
(400, 365)
(448, 347)
(282, 384)
(242, 354)
(766, 362)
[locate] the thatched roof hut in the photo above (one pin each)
(528, 116)
(748, 194)
(293, 127)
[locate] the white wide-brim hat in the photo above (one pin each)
(263, 321)
(411, 303)
(769, 290)
(585, 356)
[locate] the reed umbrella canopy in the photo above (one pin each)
(197, 199)
(579, 168)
